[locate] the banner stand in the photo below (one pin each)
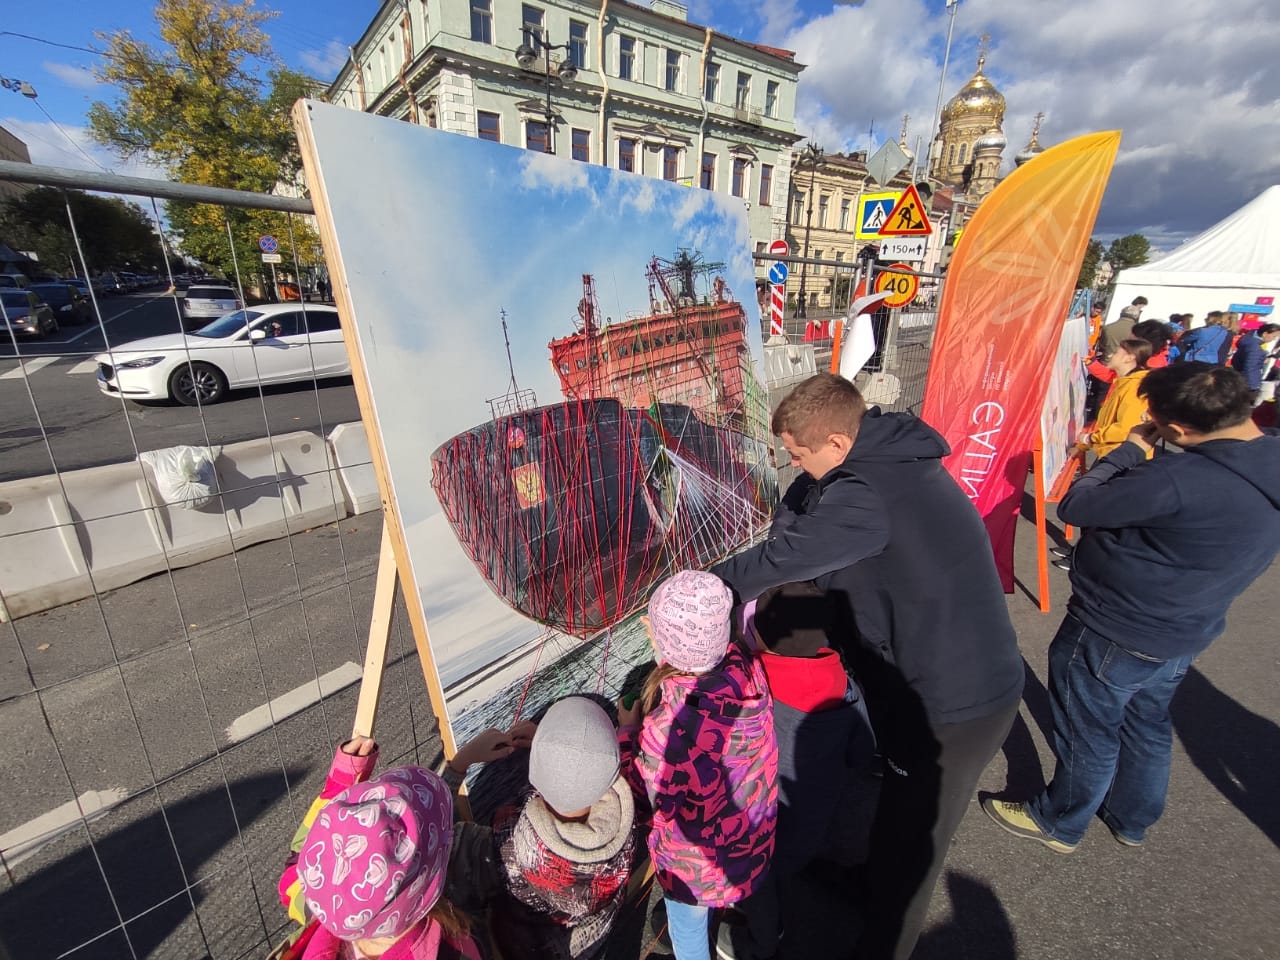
(1074, 466)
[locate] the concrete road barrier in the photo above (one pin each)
(349, 446)
(107, 526)
(789, 363)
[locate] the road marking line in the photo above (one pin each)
(31, 366)
(95, 328)
(88, 366)
(25, 841)
(295, 701)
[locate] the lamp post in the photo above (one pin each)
(810, 157)
(564, 71)
(952, 10)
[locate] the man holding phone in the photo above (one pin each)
(1161, 559)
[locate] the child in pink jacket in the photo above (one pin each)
(705, 758)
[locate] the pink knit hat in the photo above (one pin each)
(689, 618)
(374, 861)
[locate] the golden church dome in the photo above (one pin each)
(978, 97)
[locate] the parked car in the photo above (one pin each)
(27, 314)
(205, 302)
(13, 281)
(66, 301)
(274, 343)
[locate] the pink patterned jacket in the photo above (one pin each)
(707, 762)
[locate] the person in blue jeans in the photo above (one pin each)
(1162, 556)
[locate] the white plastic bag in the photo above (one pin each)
(184, 475)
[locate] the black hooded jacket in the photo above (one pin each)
(890, 534)
(1170, 542)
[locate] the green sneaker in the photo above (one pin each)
(1014, 818)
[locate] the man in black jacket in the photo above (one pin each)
(1162, 557)
(879, 525)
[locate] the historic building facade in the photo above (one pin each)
(649, 91)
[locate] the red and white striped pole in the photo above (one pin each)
(777, 295)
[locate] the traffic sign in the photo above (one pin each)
(268, 244)
(873, 211)
(902, 285)
(779, 248)
(907, 218)
(271, 258)
(887, 163)
(778, 292)
(778, 273)
(904, 248)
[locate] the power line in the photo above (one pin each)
(69, 139)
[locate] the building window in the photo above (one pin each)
(531, 26)
(482, 21)
(817, 254)
(797, 209)
(771, 99)
(759, 246)
(708, 181)
(822, 210)
(578, 44)
(426, 25)
(582, 145)
(627, 154)
(489, 126)
(742, 99)
(670, 163)
(712, 89)
(739, 177)
(766, 184)
(844, 214)
(537, 136)
(673, 71)
(626, 57)
(964, 151)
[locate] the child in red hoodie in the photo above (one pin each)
(824, 738)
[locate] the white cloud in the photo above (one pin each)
(546, 170)
(327, 61)
(49, 147)
(1194, 88)
(71, 74)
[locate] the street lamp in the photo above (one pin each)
(564, 71)
(809, 157)
(952, 10)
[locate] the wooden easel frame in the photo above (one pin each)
(1074, 466)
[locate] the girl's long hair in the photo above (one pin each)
(651, 692)
(455, 924)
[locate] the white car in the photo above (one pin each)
(274, 343)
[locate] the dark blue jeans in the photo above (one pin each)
(1113, 739)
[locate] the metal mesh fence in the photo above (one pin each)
(178, 671)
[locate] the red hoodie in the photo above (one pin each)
(807, 684)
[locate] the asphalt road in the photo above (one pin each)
(166, 680)
(51, 411)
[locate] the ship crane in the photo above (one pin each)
(661, 274)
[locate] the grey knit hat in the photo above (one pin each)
(574, 757)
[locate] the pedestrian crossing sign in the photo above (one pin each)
(907, 218)
(873, 213)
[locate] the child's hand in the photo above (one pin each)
(485, 748)
(359, 746)
(629, 714)
(522, 734)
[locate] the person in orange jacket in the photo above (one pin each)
(1122, 409)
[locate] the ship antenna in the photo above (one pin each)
(515, 387)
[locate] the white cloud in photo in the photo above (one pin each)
(1194, 88)
(325, 62)
(540, 171)
(72, 74)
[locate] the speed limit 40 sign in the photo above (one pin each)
(901, 283)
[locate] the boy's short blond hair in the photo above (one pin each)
(823, 405)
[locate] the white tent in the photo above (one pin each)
(1234, 261)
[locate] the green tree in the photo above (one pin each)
(210, 105)
(1089, 266)
(112, 232)
(1129, 251)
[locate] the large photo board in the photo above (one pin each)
(563, 365)
(1062, 420)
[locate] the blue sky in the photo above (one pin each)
(1194, 86)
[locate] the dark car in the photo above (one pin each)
(66, 301)
(27, 314)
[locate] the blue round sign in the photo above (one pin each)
(268, 244)
(778, 272)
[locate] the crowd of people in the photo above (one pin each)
(866, 640)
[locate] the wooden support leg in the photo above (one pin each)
(1042, 535)
(375, 657)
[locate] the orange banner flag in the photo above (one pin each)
(1007, 293)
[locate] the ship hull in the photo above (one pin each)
(572, 512)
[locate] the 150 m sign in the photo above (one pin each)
(901, 283)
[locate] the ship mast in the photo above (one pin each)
(515, 399)
(683, 268)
